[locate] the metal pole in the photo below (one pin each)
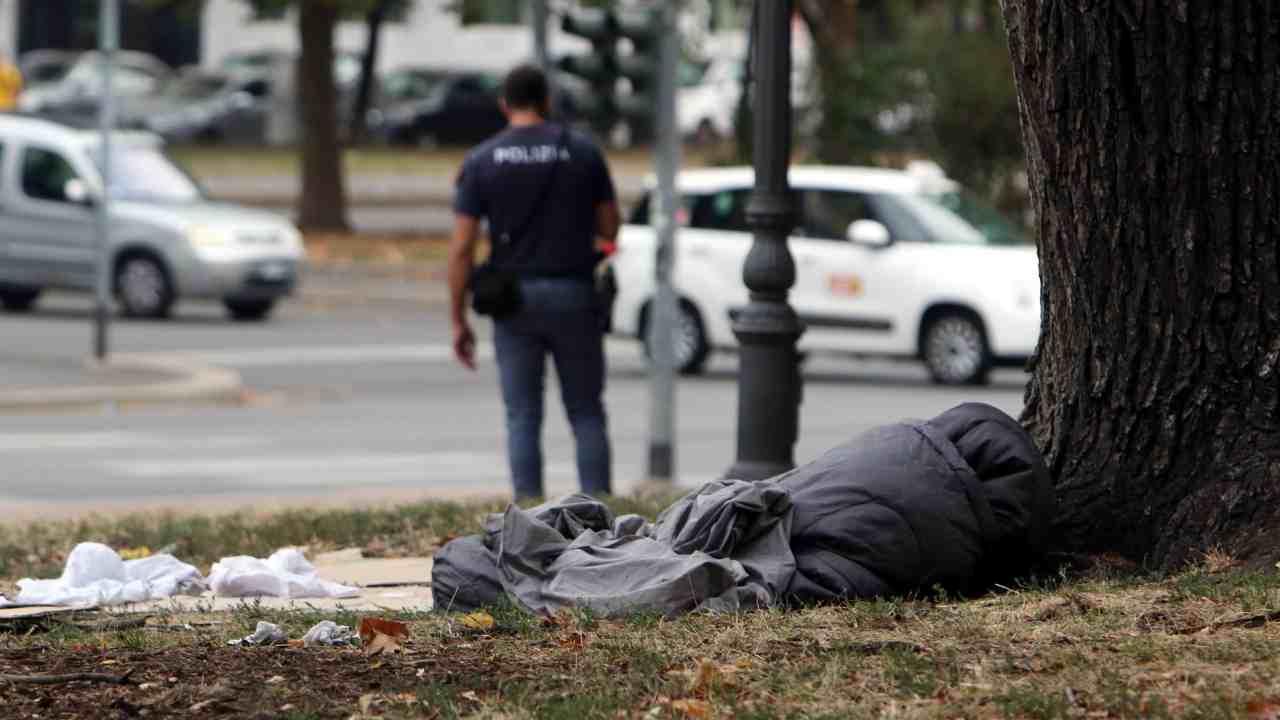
(541, 51)
(108, 42)
(767, 329)
(663, 315)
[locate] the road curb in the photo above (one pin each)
(188, 383)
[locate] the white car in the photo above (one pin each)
(708, 94)
(888, 263)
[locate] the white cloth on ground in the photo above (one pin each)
(328, 632)
(96, 575)
(285, 574)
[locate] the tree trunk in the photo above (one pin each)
(368, 69)
(323, 203)
(833, 26)
(1152, 131)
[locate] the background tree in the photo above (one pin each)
(322, 204)
(833, 25)
(1153, 142)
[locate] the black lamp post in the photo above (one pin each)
(767, 328)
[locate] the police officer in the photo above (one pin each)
(549, 201)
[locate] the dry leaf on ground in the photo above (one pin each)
(479, 620)
(369, 627)
(382, 644)
(692, 707)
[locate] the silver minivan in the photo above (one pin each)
(167, 240)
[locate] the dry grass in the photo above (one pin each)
(1112, 643)
(211, 161)
(426, 251)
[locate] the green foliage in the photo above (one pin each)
(930, 79)
(973, 125)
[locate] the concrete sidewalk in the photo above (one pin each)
(34, 382)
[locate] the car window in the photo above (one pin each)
(724, 210)
(45, 175)
(929, 220)
(904, 225)
(257, 88)
(827, 214)
(997, 228)
(466, 87)
(640, 213)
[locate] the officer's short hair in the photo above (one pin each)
(526, 88)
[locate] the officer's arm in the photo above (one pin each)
(462, 250)
(608, 219)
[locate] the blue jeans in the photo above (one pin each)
(557, 317)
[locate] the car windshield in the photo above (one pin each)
(145, 174)
(408, 85)
(998, 229)
(957, 218)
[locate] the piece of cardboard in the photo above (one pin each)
(36, 612)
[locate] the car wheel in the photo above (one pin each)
(691, 348)
(144, 287)
(19, 299)
(955, 350)
(249, 310)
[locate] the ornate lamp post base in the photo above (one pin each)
(769, 385)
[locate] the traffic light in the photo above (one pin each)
(638, 64)
(589, 96)
(624, 46)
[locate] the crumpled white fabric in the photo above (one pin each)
(95, 575)
(328, 632)
(265, 634)
(285, 574)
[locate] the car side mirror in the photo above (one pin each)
(75, 191)
(871, 233)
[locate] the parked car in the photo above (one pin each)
(39, 67)
(167, 241)
(74, 99)
(708, 92)
(886, 265)
(459, 108)
(265, 63)
(201, 106)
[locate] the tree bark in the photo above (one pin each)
(1152, 131)
(368, 69)
(833, 26)
(323, 203)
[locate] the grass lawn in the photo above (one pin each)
(1108, 642)
(377, 250)
(215, 160)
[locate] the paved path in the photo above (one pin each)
(360, 402)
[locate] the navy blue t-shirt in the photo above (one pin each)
(503, 179)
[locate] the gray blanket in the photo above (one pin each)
(959, 501)
(723, 547)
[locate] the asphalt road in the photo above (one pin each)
(360, 402)
(429, 219)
